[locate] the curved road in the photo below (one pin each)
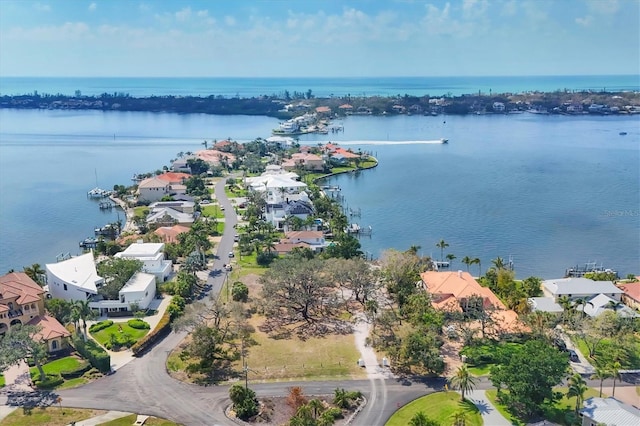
(144, 386)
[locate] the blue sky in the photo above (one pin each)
(308, 38)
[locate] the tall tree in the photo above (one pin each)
(498, 263)
(84, 313)
(601, 373)
(22, 342)
(36, 273)
(475, 261)
(442, 244)
(463, 380)
(530, 375)
(467, 261)
(577, 388)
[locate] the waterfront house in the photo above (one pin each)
(174, 178)
(601, 303)
(498, 107)
(180, 164)
(214, 157)
(579, 288)
(73, 279)
(152, 257)
(277, 213)
(139, 291)
(22, 302)
(169, 234)
(312, 239)
(323, 111)
(169, 213)
(545, 304)
(281, 142)
(631, 294)
(153, 189)
(278, 187)
(346, 109)
(608, 412)
(303, 160)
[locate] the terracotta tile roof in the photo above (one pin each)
(459, 284)
(222, 144)
(323, 109)
(632, 290)
(214, 156)
(18, 284)
(303, 234)
(169, 234)
(51, 328)
(346, 153)
(174, 177)
(345, 106)
(283, 248)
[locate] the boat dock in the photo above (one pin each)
(106, 205)
(356, 229)
(579, 271)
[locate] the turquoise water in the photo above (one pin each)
(551, 191)
(249, 87)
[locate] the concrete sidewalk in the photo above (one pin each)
(104, 418)
(490, 415)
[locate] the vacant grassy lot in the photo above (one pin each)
(604, 353)
(439, 406)
(117, 328)
(212, 210)
(315, 358)
(48, 416)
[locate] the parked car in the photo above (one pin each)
(573, 356)
(560, 344)
(231, 254)
(236, 238)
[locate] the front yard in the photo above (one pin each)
(440, 407)
(117, 335)
(65, 373)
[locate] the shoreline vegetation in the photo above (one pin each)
(287, 106)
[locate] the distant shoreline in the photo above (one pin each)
(559, 102)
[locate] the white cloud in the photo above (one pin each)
(93, 6)
(230, 21)
(42, 7)
(66, 32)
(183, 15)
(603, 7)
(474, 9)
(585, 22)
(509, 8)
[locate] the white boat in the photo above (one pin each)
(444, 141)
(98, 193)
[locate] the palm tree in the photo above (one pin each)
(75, 316)
(577, 388)
(459, 418)
(463, 380)
(450, 258)
(601, 373)
(612, 304)
(35, 272)
(477, 260)
(442, 245)
(567, 307)
(419, 419)
(615, 372)
(580, 301)
(85, 313)
(316, 407)
(467, 261)
(498, 262)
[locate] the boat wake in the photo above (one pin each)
(426, 142)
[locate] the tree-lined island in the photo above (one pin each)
(287, 105)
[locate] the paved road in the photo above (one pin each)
(144, 386)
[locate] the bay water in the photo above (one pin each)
(549, 191)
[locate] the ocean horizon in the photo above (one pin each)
(320, 86)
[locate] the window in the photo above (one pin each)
(54, 345)
(26, 307)
(65, 287)
(33, 306)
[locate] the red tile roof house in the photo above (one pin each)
(631, 295)
(22, 302)
(169, 234)
(451, 290)
(313, 239)
(214, 157)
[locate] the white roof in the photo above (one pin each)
(174, 214)
(544, 304)
(576, 286)
(142, 250)
(275, 181)
(138, 282)
(597, 305)
(610, 411)
(79, 271)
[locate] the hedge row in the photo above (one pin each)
(100, 326)
(78, 372)
(96, 355)
(162, 329)
(138, 324)
(51, 381)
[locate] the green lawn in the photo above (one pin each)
(439, 406)
(556, 413)
(1, 380)
(604, 353)
(212, 210)
(48, 416)
(141, 211)
(68, 363)
(104, 336)
(481, 370)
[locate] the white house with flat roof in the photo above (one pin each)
(609, 412)
(73, 279)
(580, 288)
(152, 257)
(140, 290)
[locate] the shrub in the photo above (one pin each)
(239, 292)
(119, 340)
(265, 258)
(51, 381)
(162, 329)
(93, 352)
(100, 326)
(72, 374)
(244, 401)
(139, 324)
(333, 413)
(176, 307)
